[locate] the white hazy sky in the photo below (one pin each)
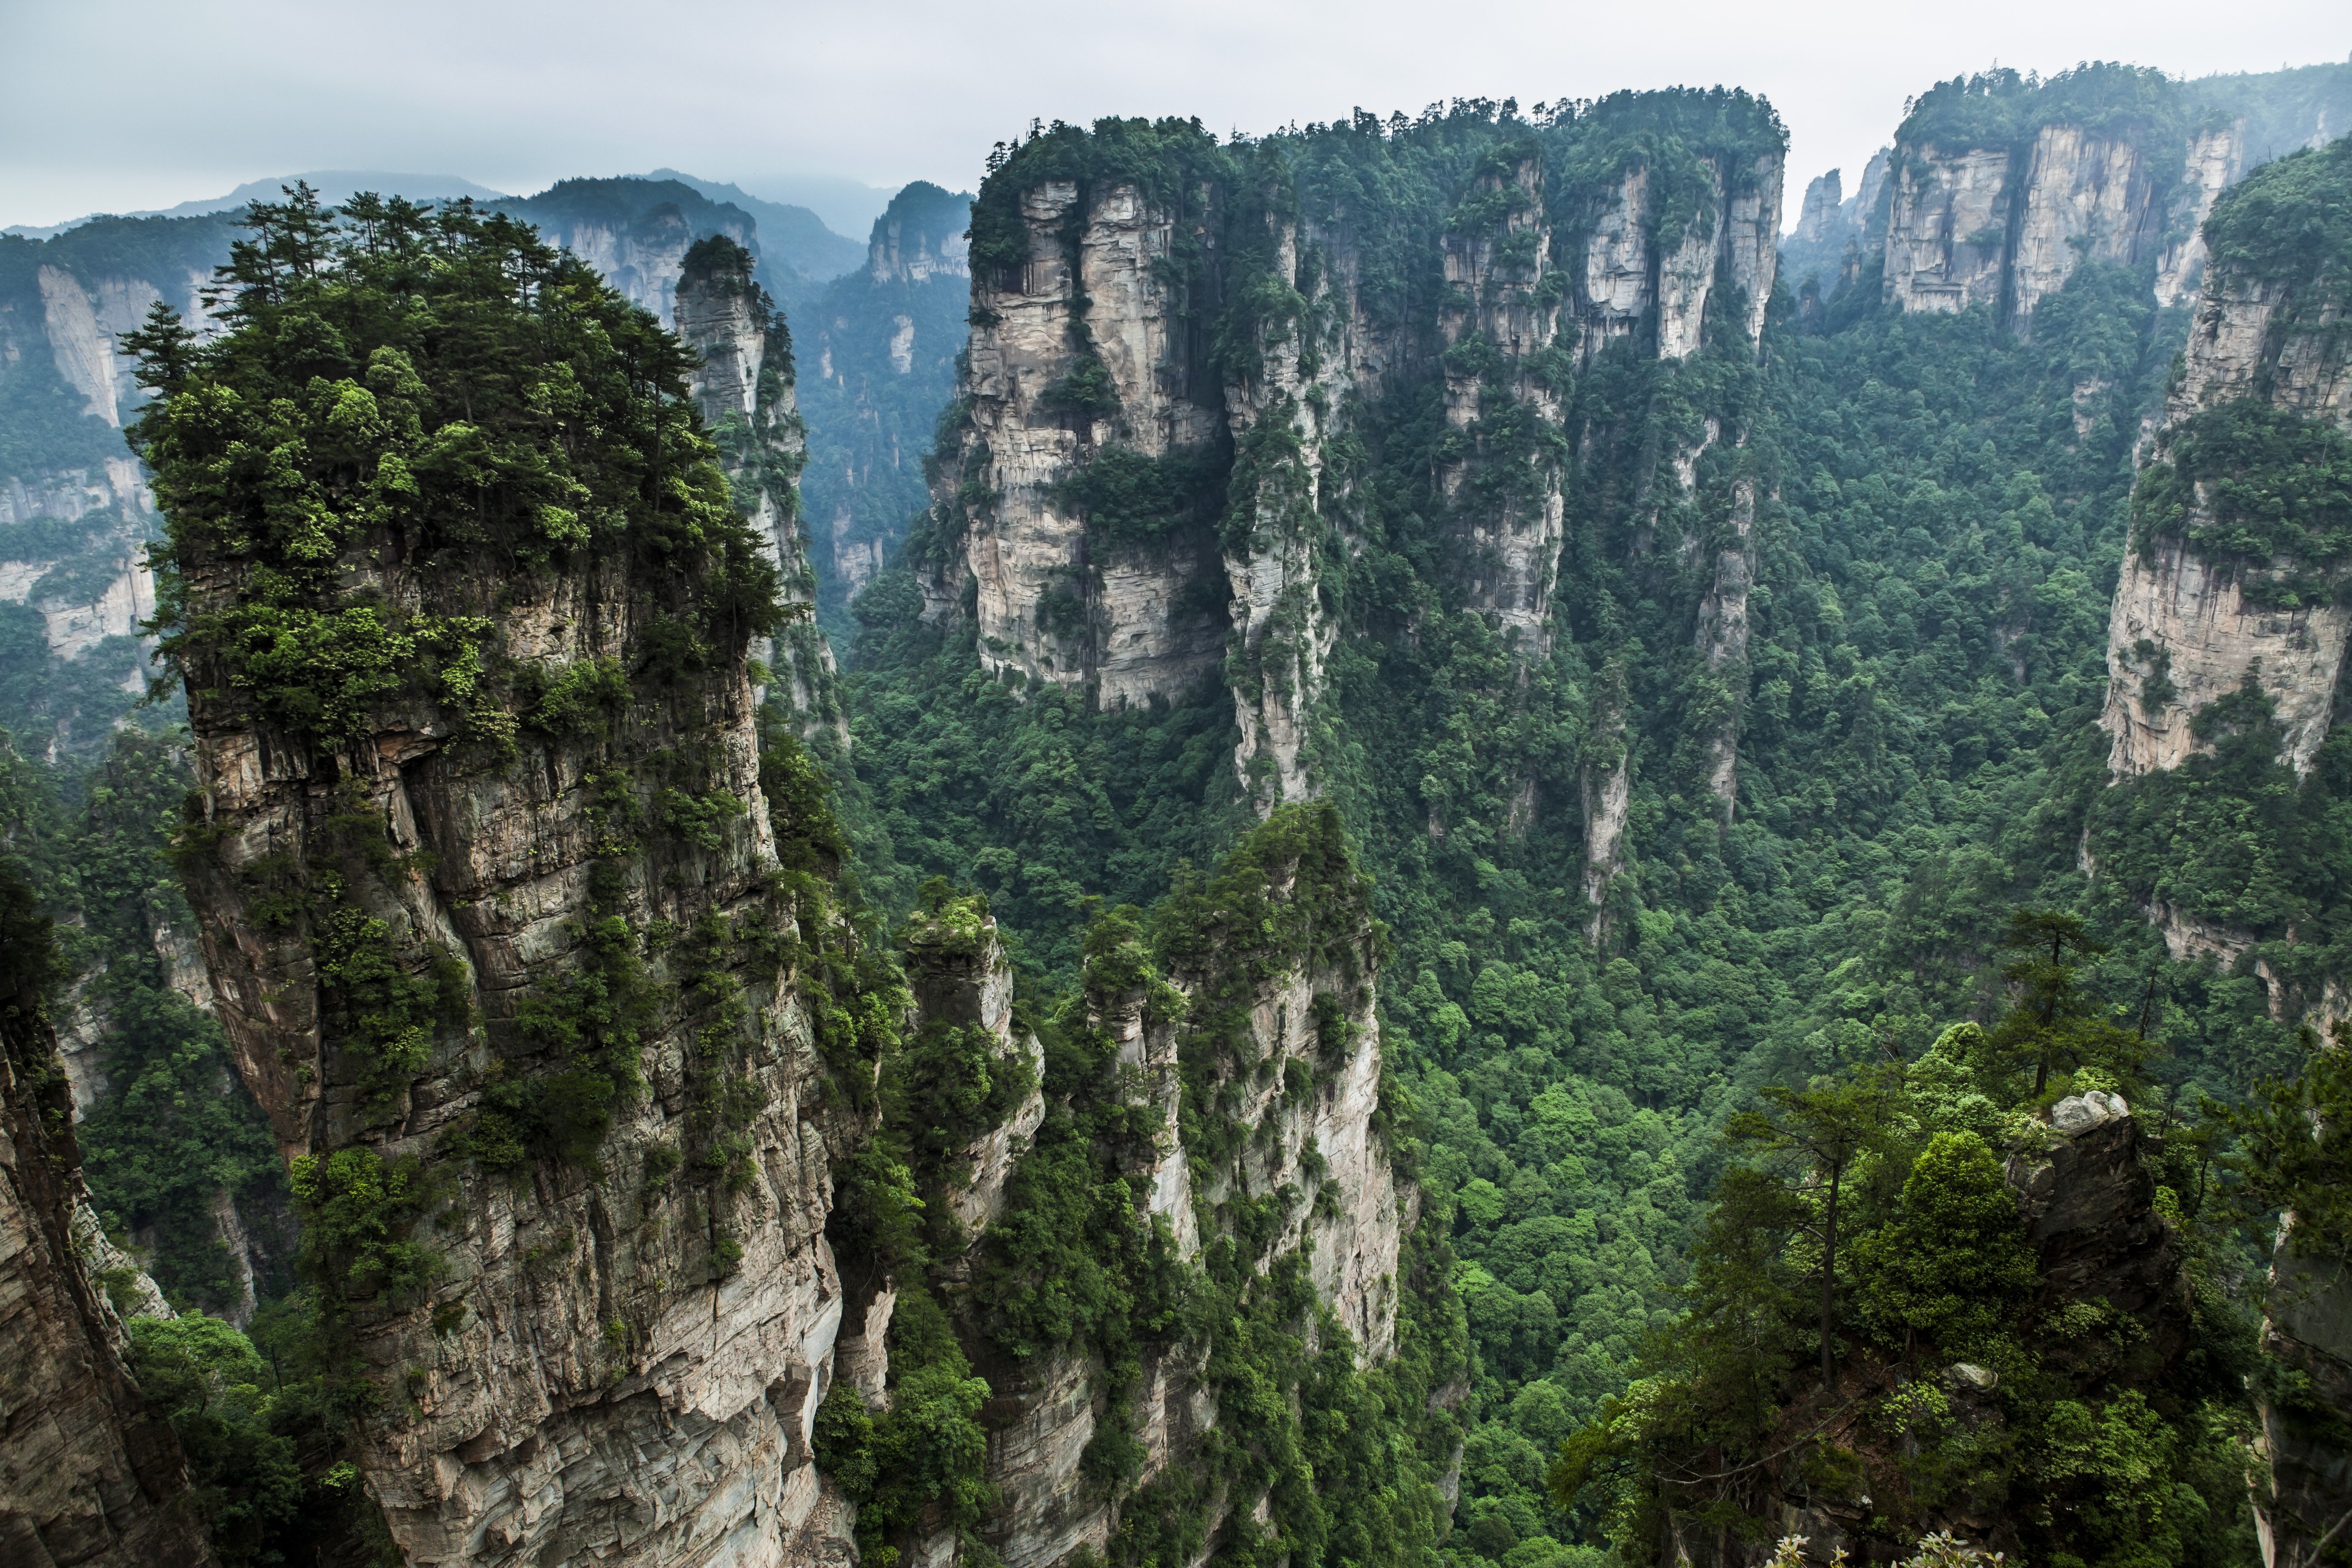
(127, 104)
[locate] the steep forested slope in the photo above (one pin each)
(1735, 785)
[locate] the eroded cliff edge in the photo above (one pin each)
(1167, 1226)
(492, 899)
(2225, 656)
(90, 1474)
(1188, 360)
(2233, 596)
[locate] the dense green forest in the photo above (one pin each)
(1943, 509)
(1622, 1120)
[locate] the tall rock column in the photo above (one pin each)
(744, 390)
(1503, 383)
(1264, 1042)
(90, 1474)
(1085, 355)
(496, 922)
(2191, 624)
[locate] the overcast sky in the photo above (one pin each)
(131, 103)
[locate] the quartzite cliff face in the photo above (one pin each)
(2185, 628)
(621, 1349)
(1303, 1082)
(591, 1379)
(1095, 359)
(744, 391)
(90, 1477)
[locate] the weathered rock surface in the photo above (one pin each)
(2006, 225)
(745, 391)
(1121, 285)
(2183, 621)
(2088, 1201)
(1311, 1108)
(2307, 1328)
(588, 1378)
(621, 1355)
(1045, 608)
(88, 1474)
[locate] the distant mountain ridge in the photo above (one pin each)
(333, 185)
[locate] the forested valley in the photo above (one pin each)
(1394, 843)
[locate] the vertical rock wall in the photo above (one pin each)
(744, 389)
(1124, 286)
(1095, 297)
(90, 1476)
(2182, 631)
(590, 1379)
(610, 1127)
(1309, 1106)
(2006, 223)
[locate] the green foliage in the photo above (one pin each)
(1165, 160)
(2289, 223)
(2000, 107)
(437, 376)
(2293, 1138)
(1129, 499)
(926, 1456)
(2234, 837)
(1953, 1263)
(2258, 489)
(263, 1433)
(360, 1211)
(212, 1384)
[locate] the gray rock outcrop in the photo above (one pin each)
(2005, 220)
(1091, 354)
(744, 389)
(90, 1477)
(1310, 1106)
(2185, 630)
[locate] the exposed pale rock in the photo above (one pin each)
(2187, 617)
(1129, 628)
(83, 1028)
(1515, 548)
(2216, 159)
(747, 398)
(1349, 1221)
(1722, 637)
(1948, 228)
(2081, 1113)
(2086, 197)
(84, 354)
(90, 1477)
(1823, 195)
(971, 987)
(588, 1380)
(2206, 640)
(1131, 622)
(643, 258)
(229, 1225)
(862, 1359)
(132, 1285)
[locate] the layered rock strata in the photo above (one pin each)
(2006, 224)
(90, 1477)
(744, 389)
(593, 1376)
(533, 1000)
(1309, 1102)
(1092, 363)
(2184, 630)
